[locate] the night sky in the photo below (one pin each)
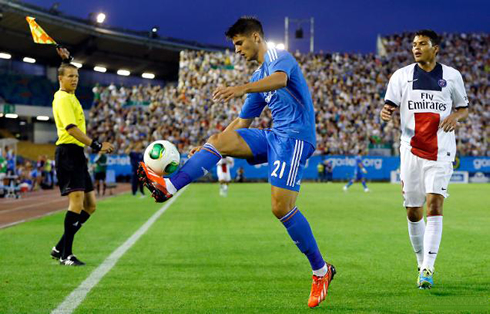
(340, 26)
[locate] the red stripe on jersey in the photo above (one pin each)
(224, 168)
(424, 141)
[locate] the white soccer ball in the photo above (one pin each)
(162, 157)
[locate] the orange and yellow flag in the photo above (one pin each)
(38, 34)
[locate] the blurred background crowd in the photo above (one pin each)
(347, 91)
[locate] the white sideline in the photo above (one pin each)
(77, 296)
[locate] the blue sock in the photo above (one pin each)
(300, 231)
(364, 184)
(197, 166)
(350, 183)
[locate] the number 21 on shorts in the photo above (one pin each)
(278, 164)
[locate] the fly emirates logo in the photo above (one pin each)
(426, 102)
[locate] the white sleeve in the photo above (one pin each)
(394, 92)
(460, 100)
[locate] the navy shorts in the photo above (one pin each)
(286, 156)
(72, 170)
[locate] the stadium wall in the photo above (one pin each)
(379, 168)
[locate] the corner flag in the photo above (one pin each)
(38, 34)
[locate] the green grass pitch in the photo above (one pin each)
(208, 254)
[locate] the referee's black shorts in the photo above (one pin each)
(100, 176)
(72, 170)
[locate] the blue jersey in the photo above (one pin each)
(291, 107)
(358, 170)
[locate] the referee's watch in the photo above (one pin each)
(96, 146)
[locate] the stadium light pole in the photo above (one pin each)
(312, 35)
(286, 33)
(311, 21)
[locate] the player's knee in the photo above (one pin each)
(434, 209)
(221, 142)
(75, 202)
(415, 214)
(280, 208)
(75, 207)
(215, 141)
(90, 209)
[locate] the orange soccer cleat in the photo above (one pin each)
(154, 183)
(319, 287)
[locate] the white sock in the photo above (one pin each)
(416, 232)
(170, 187)
(432, 240)
(321, 272)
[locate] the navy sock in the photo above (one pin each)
(300, 231)
(350, 183)
(197, 166)
(71, 227)
(364, 184)
(83, 217)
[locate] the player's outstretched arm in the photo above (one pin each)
(387, 112)
(451, 122)
(272, 82)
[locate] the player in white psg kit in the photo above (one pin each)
(432, 99)
(223, 169)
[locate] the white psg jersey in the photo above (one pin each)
(225, 164)
(425, 99)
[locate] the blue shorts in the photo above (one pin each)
(358, 176)
(286, 156)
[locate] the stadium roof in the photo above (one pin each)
(90, 44)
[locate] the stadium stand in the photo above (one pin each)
(347, 89)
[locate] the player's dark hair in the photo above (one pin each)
(434, 38)
(246, 25)
(63, 67)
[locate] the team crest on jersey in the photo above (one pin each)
(442, 83)
(268, 96)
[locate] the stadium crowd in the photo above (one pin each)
(347, 91)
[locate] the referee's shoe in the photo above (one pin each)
(71, 260)
(55, 253)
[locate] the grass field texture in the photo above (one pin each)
(208, 254)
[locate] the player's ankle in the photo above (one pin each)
(170, 187)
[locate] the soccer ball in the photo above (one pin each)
(162, 157)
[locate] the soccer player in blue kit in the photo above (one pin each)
(279, 84)
(359, 173)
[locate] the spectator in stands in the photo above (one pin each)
(328, 170)
(345, 89)
(100, 172)
(3, 167)
(240, 175)
(321, 171)
(136, 156)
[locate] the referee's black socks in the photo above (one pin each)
(73, 223)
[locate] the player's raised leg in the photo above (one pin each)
(228, 143)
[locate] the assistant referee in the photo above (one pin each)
(71, 163)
